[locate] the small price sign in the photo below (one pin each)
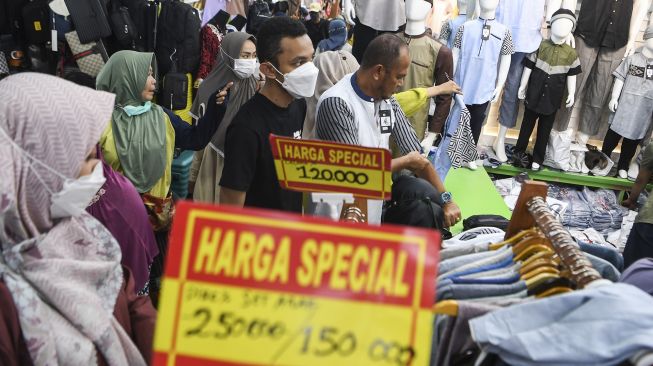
(252, 287)
(320, 166)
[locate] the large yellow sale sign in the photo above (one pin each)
(254, 287)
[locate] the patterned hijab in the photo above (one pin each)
(64, 275)
(140, 140)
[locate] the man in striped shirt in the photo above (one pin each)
(360, 110)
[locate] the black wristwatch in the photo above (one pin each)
(446, 197)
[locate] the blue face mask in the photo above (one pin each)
(132, 110)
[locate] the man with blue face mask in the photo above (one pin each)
(285, 53)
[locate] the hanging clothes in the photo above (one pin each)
(450, 29)
(211, 40)
(211, 8)
(457, 146)
(431, 63)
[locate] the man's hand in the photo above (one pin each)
(452, 214)
(629, 203)
(415, 162)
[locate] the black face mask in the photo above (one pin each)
(314, 16)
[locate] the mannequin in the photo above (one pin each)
(372, 18)
(554, 63)
(477, 75)
(606, 33)
(450, 27)
(631, 104)
(431, 62)
(524, 17)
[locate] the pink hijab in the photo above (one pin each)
(64, 275)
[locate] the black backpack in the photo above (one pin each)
(36, 21)
(123, 27)
(258, 13)
(178, 34)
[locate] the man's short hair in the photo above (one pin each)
(383, 50)
(271, 33)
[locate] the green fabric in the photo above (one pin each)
(475, 194)
(411, 101)
(140, 140)
(646, 212)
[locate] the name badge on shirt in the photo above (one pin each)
(297, 135)
(649, 72)
(385, 121)
(486, 32)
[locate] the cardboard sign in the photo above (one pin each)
(320, 166)
(253, 287)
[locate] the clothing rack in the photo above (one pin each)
(531, 210)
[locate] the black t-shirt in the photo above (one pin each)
(249, 165)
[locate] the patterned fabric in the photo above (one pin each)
(211, 40)
(65, 275)
(462, 149)
(4, 68)
(90, 57)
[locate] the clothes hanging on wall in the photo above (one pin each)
(211, 40)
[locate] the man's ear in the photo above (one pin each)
(379, 72)
(268, 71)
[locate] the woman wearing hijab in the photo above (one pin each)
(141, 138)
(337, 38)
(236, 64)
(64, 297)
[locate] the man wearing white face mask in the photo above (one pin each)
(285, 52)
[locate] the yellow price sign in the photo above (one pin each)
(320, 166)
(251, 287)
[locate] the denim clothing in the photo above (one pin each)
(611, 255)
(510, 101)
(587, 327)
(502, 271)
(474, 291)
(501, 280)
(479, 265)
(605, 268)
(459, 250)
(454, 263)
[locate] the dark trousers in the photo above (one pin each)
(477, 114)
(639, 244)
(544, 126)
(628, 148)
(363, 35)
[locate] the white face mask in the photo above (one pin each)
(300, 83)
(76, 194)
(245, 67)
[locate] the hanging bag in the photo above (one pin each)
(90, 19)
(123, 26)
(36, 22)
(90, 57)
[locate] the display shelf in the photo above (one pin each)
(475, 194)
(554, 176)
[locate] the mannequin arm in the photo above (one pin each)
(571, 90)
(523, 85)
(349, 11)
(504, 67)
(640, 8)
(616, 93)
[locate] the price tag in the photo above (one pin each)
(486, 32)
(252, 287)
(320, 166)
(649, 72)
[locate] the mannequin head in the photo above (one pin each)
(648, 44)
(563, 22)
(561, 29)
(417, 10)
(488, 5)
